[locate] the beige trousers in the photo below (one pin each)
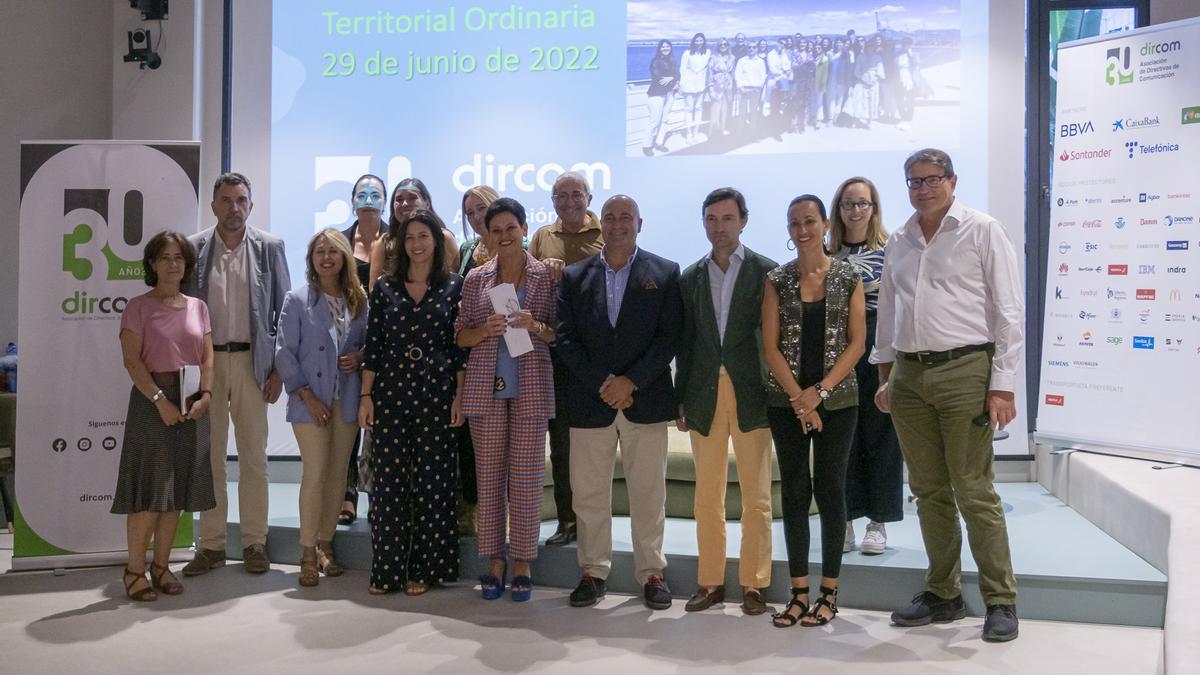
(752, 452)
(324, 454)
(237, 397)
(644, 460)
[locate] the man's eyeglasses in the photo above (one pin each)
(856, 206)
(561, 197)
(915, 182)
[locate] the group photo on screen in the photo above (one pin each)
(776, 77)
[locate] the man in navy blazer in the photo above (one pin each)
(242, 273)
(619, 319)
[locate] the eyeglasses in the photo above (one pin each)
(915, 182)
(577, 196)
(856, 206)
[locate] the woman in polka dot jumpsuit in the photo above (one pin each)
(412, 376)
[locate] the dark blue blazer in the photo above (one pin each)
(640, 347)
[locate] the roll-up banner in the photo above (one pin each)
(1122, 328)
(87, 211)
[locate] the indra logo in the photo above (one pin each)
(1117, 68)
(1176, 269)
(1075, 129)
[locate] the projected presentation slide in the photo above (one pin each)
(777, 99)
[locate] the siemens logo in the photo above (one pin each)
(1058, 364)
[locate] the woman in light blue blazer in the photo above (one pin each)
(318, 353)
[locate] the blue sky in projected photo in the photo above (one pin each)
(654, 19)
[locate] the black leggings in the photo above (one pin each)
(831, 449)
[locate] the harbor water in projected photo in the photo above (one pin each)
(780, 77)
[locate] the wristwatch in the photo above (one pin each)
(821, 391)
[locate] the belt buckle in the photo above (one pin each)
(925, 358)
(414, 353)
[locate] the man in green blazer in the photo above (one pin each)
(719, 380)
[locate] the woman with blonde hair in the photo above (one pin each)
(322, 329)
(875, 473)
(475, 250)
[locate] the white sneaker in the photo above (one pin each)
(875, 540)
(848, 544)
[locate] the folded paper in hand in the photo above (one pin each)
(504, 301)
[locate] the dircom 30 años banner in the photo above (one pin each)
(87, 211)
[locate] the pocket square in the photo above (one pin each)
(648, 284)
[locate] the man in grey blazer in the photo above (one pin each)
(241, 272)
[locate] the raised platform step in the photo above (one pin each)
(1067, 569)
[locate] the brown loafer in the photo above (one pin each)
(753, 602)
(205, 560)
(255, 560)
(702, 599)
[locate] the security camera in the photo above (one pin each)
(141, 51)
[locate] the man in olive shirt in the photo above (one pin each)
(573, 237)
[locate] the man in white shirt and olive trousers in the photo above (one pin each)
(951, 321)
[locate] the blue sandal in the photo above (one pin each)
(522, 588)
(491, 587)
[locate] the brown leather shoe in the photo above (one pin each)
(753, 602)
(702, 599)
(255, 560)
(205, 560)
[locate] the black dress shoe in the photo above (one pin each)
(927, 608)
(656, 594)
(1000, 624)
(589, 591)
(564, 535)
(702, 599)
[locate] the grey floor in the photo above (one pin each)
(231, 622)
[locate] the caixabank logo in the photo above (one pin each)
(94, 207)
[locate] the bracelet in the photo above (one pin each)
(203, 392)
(366, 395)
(157, 395)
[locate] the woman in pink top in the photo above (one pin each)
(165, 456)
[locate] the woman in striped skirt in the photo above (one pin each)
(508, 398)
(164, 460)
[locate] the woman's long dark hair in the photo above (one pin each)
(396, 261)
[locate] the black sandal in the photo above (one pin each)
(799, 600)
(146, 594)
(346, 517)
(828, 598)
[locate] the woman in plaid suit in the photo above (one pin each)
(508, 399)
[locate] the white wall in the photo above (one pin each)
(1162, 11)
(57, 73)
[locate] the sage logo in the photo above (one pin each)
(1118, 69)
(1190, 115)
(132, 231)
(1143, 342)
(1114, 340)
